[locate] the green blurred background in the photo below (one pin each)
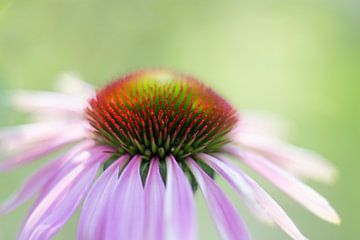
(299, 59)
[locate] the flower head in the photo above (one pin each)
(158, 113)
(158, 136)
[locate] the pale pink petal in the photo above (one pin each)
(238, 182)
(262, 123)
(71, 160)
(42, 149)
(22, 135)
(39, 180)
(224, 213)
(299, 161)
(31, 186)
(93, 215)
(125, 218)
(275, 211)
(54, 209)
(154, 202)
(30, 101)
(288, 184)
(232, 173)
(180, 213)
(76, 156)
(71, 84)
(65, 209)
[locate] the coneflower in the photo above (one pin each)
(155, 137)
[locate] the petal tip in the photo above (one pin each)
(332, 217)
(336, 219)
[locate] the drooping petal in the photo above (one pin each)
(31, 186)
(92, 221)
(42, 150)
(125, 219)
(239, 183)
(53, 210)
(22, 135)
(288, 184)
(180, 214)
(154, 202)
(275, 211)
(38, 181)
(261, 122)
(32, 101)
(236, 180)
(232, 173)
(61, 214)
(71, 84)
(97, 153)
(299, 161)
(228, 222)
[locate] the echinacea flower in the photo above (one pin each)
(140, 149)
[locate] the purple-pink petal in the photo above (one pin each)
(269, 206)
(61, 214)
(238, 182)
(302, 193)
(180, 213)
(154, 203)
(42, 178)
(40, 150)
(273, 209)
(30, 101)
(228, 221)
(34, 184)
(92, 221)
(301, 162)
(71, 84)
(125, 213)
(52, 210)
(235, 180)
(17, 137)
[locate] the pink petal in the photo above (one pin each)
(288, 184)
(71, 84)
(125, 218)
(238, 182)
(224, 213)
(17, 137)
(54, 209)
(275, 211)
(180, 214)
(294, 159)
(60, 215)
(261, 122)
(93, 214)
(72, 160)
(41, 178)
(232, 173)
(31, 186)
(31, 101)
(41, 150)
(154, 202)
(82, 154)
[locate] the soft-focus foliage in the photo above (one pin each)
(297, 58)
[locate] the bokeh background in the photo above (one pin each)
(299, 59)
